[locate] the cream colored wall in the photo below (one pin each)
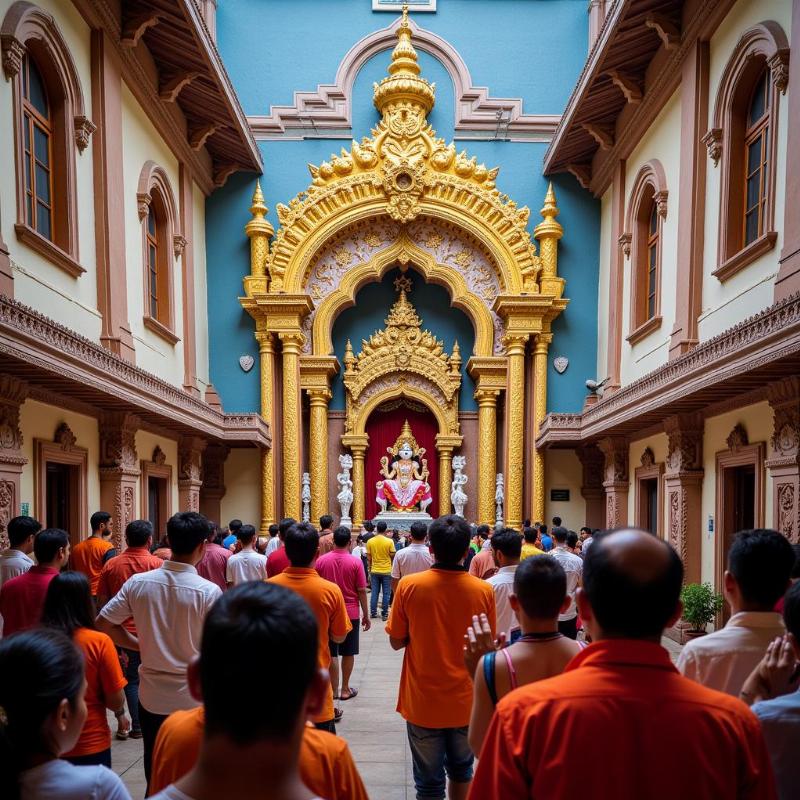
(38, 282)
(751, 289)
(563, 471)
(604, 268)
(200, 286)
(242, 487)
(40, 421)
(142, 143)
(145, 445)
(757, 421)
(661, 141)
(658, 444)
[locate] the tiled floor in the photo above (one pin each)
(374, 730)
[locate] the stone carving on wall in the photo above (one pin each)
(305, 496)
(118, 468)
(786, 512)
(737, 438)
(159, 456)
(345, 496)
(190, 471)
(648, 459)
(64, 437)
(684, 443)
(784, 458)
(7, 510)
(457, 495)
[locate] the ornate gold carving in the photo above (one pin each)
(487, 452)
(540, 349)
(292, 342)
(515, 411)
(318, 450)
(266, 349)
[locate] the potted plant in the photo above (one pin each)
(700, 605)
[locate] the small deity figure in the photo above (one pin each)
(345, 496)
(405, 484)
(305, 496)
(458, 496)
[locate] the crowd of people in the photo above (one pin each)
(538, 653)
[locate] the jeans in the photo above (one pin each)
(437, 754)
(150, 727)
(569, 627)
(103, 758)
(131, 661)
(329, 726)
(379, 580)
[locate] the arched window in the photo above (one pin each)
(743, 141)
(647, 209)
(38, 133)
(49, 125)
(160, 247)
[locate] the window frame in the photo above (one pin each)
(28, 32)
(761, 48)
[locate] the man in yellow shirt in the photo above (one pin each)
(380, 552)
(529, 547)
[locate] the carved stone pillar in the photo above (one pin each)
(318, 451)
(515, 427)
(12, 395)
(358, 447)
(683, 487)
(213, 488)
(592, 489)
(616, 483)
(190, 460)
(266, 348)
(487, 453)
(292, 342)
(119, 470)
(784, 458)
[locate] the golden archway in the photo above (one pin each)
(402, 173)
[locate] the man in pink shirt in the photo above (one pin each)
(22, 598)
(214, 562)
(346, 571)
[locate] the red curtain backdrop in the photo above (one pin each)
(383, 427)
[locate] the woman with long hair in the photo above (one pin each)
(42, 713)
(68, 608)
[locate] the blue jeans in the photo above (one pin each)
(377, 581)
(131, 671)
(437, 754)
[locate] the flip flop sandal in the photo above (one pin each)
(337, 714)
(353, 693)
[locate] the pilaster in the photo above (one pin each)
(445, 444)
(784, 457)
(266, 350)
(213, 489)
(540, 350)
(12, 395)
(358, 448)
(515, 410)
(190, 459)
(291, 346)
(592, 489)
(119, 469)
(616, 482)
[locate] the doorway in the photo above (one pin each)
(156, 505)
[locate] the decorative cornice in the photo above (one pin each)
(327, 111)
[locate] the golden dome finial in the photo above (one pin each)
(257, 207)
(404, 56)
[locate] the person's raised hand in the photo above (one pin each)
(775, 674)
(478, 641)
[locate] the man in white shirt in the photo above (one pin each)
(414, 558)
(16, 559)
(573, 567)
(247, 564)
(507, 549)
(759, 567)
(274, 540)
(168, 606)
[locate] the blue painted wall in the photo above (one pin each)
(532, 49)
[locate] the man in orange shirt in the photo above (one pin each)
(135, 559)
(430, 612)
(326, 600)
(260, 733)
(88, 556)
(642, 729)
(483, 566)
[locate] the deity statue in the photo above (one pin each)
(345, 496)
(305, 496)
(458, 496)
(405, 472)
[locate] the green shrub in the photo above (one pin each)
(700, 604)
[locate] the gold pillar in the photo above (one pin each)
(487, 453)
(292, 342)
(539, 412)
(515, 427)
(318, 451)
(358, 451)
(266, 349)
(445, 479)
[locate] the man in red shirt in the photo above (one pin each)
(22, 598)
(643, 730)
(213, 564)
(133, 560)
(278, 561)
(346, 571)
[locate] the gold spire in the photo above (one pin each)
(549, 226)
(403, 81)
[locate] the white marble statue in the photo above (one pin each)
(499, 499)
(457, 495)
(345, 496)
(405, 475)
(305, 496)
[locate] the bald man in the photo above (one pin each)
(641, 728)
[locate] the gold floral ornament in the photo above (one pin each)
(406, 437)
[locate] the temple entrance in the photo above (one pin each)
(383, 427)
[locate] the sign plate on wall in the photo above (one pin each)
(396, 6)
(559, 495)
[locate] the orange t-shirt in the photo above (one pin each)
(326, 766)
(432, 610)
(87, 557)
(327, 603)
(103, 678)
